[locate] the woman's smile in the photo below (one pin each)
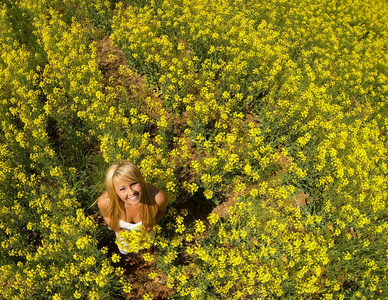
(134, 197)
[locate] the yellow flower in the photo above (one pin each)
(148, 257)
(152, 275)
(208, 194)
(213, 218)
(199, 227)
(115, 258)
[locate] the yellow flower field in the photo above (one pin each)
(265, 122)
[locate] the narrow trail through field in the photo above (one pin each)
(112, 61)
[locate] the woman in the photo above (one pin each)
(129, 201)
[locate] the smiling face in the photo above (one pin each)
(128, 191)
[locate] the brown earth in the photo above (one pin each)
(136, 272)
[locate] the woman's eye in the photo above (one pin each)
(133, 184)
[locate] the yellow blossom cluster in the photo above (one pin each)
(135, 240)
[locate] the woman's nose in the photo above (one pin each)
(131, 190)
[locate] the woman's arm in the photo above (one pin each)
(161, 202)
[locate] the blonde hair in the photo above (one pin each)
(122, 170)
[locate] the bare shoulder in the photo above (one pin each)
(103, 205)
(160, 197)
(103, 202)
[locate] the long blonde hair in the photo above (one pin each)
(122, 170)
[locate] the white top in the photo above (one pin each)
(129, 226)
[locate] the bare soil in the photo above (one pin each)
(136, 272)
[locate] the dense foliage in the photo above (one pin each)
(278, 107)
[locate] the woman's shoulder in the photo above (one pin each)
(159, 196)
(103, 201)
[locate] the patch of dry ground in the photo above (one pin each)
(137, 271)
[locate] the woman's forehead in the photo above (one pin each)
(118, 180)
